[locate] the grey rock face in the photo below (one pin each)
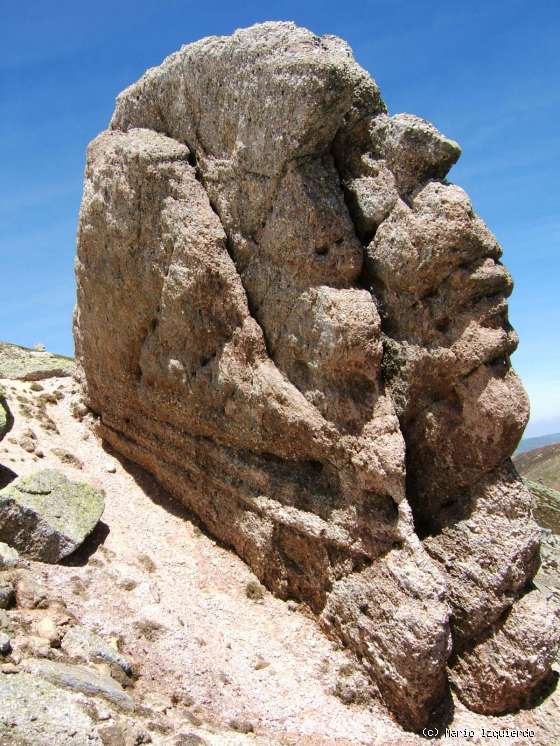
(5, 644)
(46, 517)
(300, 329)
(36, 712)
(80, 679)
(81, 643)
(9, 557)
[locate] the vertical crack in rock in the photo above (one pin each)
(227, 335)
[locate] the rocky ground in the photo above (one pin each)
(153, 633)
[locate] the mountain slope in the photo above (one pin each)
(541, 465)
(531, 444)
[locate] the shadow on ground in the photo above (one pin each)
(80, 557)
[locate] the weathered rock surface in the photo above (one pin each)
(81, 643)
(32, 365)
(36, 712)
(81, 679)
(9, 557)
(300, 329)
(46, 517)
(499, 674)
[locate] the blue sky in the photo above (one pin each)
(486, 73)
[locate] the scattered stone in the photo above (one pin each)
(80, 679)
(6, 624)
(36, 647)
(147, 563)
(30, 592)
(261, 663)
(254, 590)
(47, 423)
(149, 628)
(137, 737)
(83, 644)
(241, 725)
(9, 557)
(78, 409)
(189, 739)
(46, 517)
(47, 629)
(50, 397)
(112, 734)
(35, 386)
(9, 668)
(292, 605)
(110, 468)
(28, 444)
(67, 458)
(7, 593)
(5, 644)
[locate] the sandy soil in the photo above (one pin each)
(209, 656)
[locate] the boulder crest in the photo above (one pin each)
(290, 318)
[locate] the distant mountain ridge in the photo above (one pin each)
(529, 444)
(540, 465)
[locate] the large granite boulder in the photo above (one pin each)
(46, 517)
(292, 320)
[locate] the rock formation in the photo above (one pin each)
(291, 319)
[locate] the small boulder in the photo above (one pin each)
(7, 594)
(254, 590)
(83, 644)
(6, 624)
(67, 458)
(189, 739)
(35, 647)
(80, 679)
(28, 444)
(46, 517)
(30, 593)
(9, 557)
(5, 644)
(48, 630)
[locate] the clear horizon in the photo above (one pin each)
(486, 75)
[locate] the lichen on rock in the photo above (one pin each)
(291, 319)
(46, 517)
